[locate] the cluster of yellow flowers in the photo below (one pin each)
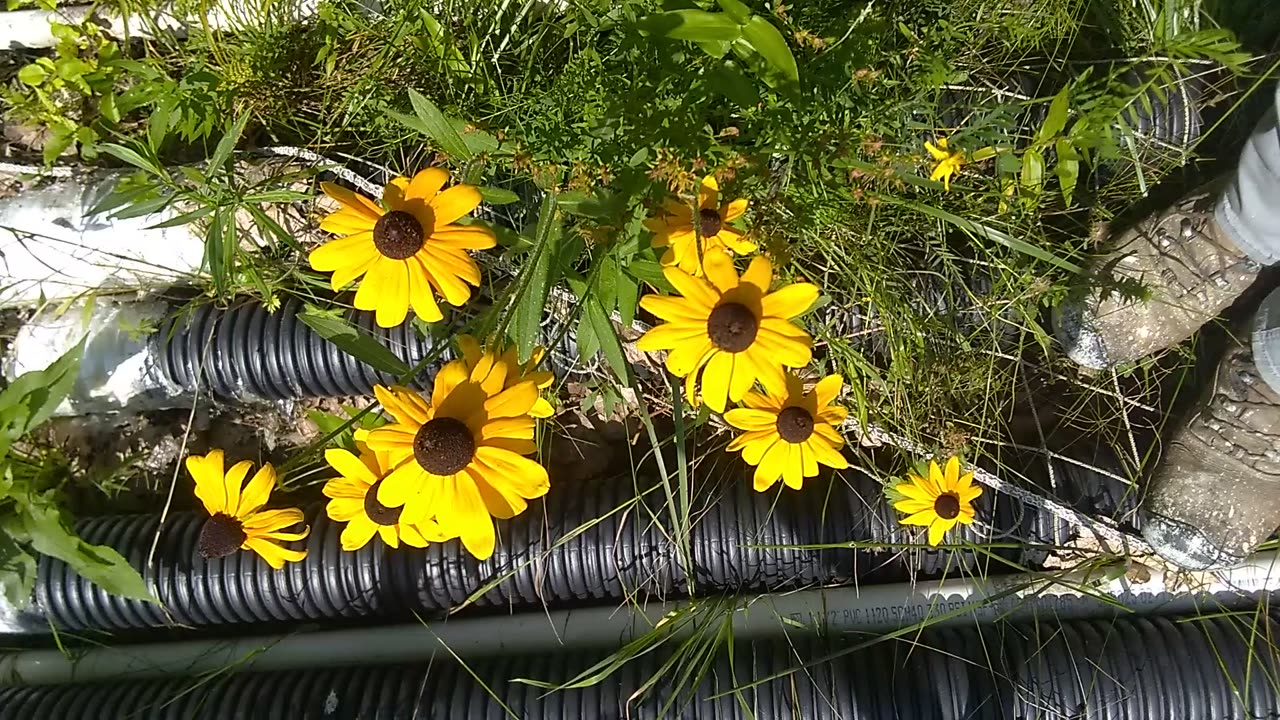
(449, 465)
(726, 332)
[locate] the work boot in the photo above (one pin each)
(1216, 493)
(1192, 270)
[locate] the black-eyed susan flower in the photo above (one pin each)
(459, 458)
(408, 253)
(725, 332)
(787, 436)
(354, 501)
(940, 502)
(947, 161)
(236, 518)
(689, 238)
(472, 353)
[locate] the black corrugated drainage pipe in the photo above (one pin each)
(590, 543)
(1120, 669)
(1093, 594)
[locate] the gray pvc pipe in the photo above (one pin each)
(874, 609)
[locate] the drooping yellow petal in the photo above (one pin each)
(450, 205)
(210, 481)
(258, 491)
(233, 483)
(938, 529)
(698, 291)
(352, 201)
(348, 465)
(358, 533)
(275, 555)
(426, 184)
(271, 520)
(792, 470)
(343, 252)
(759, 274)
(790, 301)
(748, 419)
(421, 292)
(344, 508)
(513, 472)
(715, 381)
(393, 293)
(464, 237)
(924, 517)
(734, 210)
(464, 513)
(405, 405)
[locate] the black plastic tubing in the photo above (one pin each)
(543, 557)
(246, 352)
(1122, 669)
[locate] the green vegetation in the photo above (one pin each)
(935, 301)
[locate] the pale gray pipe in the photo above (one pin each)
(873, 609)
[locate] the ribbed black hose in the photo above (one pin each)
(572, 550)
(246, 352)
(1130, 669)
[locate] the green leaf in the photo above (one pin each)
(498, 196)
(764, 39)
(692, 25)
(605, 333)
(185, 218)
(33, 396)
(1032, 169)
(101, 565)
(1056, 121)
(17, 572)
(588, 344)
(650, 272)
(334, 327)
(983, 230)
(736, 10)
(1067, 169)
(437, 127)
(56, 144)
(628, 297)
(527, 320)
(228, 143)
(32, 74)
(132, 157)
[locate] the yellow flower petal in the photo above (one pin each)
(771, 466)
(718, 269)
(452, 204)
(468, 517)
(697, 291)
(709, 193)
(348, 465)
(748, 419)
(715, 381)
(938, 529)
(210, 483)
(422, 294)
(358, 533)
(426, 184)
(343, 252)
(951, 478)
(790, 301)
(271, 520)
(274, 555)
(759, 274)
(352, 201)
(258, 491)
(464, 237)
(734, 210)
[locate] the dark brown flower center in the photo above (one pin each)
(732, 327)
(709, 222)
(380, 514)
(444, 446)
(947, 506)
(795, 424)
(220, 536)
(398, 235)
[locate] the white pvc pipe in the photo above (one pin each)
(21, 29)
(874, 609)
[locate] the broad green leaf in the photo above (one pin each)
(32, 74)
(736, 10)
(607, 336)
(588, 344)
(628, 297)
(1056, 121)
(498, 196)
(17, 572)
(57, 143)
(1067, 169)
(607, 282)
(101, 565)
(438, 128)
(527, 314)
(765, 40)
(650, 272)
(33, 397)
(692, 25)
(333, 326)
(1032, 169)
